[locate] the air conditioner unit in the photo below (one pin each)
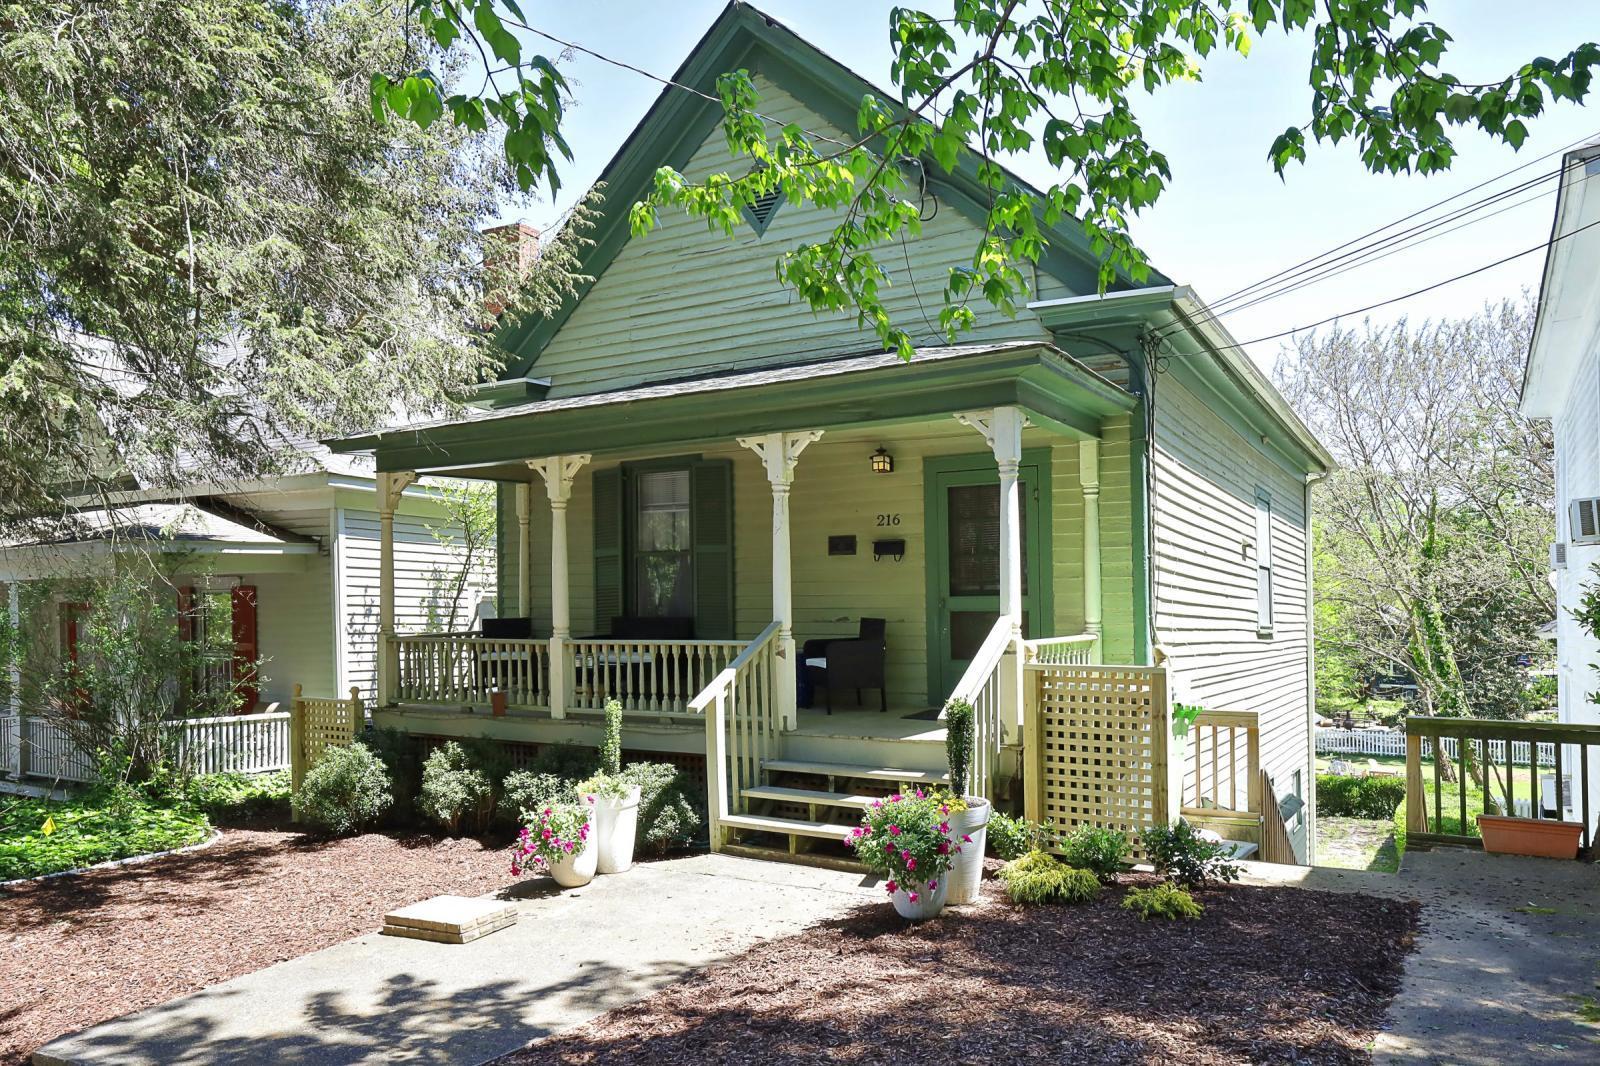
(1558, 556)
(1584, 521)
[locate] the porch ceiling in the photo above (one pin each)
(1055, 389)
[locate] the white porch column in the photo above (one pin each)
(390, 488)
(14, 611)
(558, 472)
(1089, 480)
(779, 452)
(524, 549)
(1002, 429)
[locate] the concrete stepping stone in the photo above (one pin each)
(450, 919)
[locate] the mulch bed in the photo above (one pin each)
(79, 950)
(1267, 975)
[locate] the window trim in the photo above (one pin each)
(1265, 583)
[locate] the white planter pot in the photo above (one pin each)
(928, 904)
(966, 873)
(577, 869)
(616, 825)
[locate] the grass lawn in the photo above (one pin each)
(1357, 844)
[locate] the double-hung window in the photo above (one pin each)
(1263, 556)
(663, 554)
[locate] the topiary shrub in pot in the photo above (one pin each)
(615, 797)
(559, 838)
(907, 840)
(968, 815)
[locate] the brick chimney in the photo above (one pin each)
(509, 252)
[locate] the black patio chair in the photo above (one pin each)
(850, 663)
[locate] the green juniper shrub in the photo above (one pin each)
(672, 810)
(346, 790)
(958, 743)
(401, 754)
(1181, 854)
(1095, 848)
(239, 799)
(1039, 877)
(1343, 796)
(455, 792)
(524, 791)
(1165, 900)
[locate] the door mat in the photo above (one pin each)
(929, 715)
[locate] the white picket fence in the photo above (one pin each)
(242, 743)
(1383, 742)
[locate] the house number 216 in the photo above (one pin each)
(888, 520)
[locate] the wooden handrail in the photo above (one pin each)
(983, 664)
(729, 672)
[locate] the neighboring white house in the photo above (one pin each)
(1562, 383)
(287, 567)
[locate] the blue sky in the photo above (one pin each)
(1226, 220)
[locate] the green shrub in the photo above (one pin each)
(239, 799)
(346, 791)
(672, 808)
(611, 741)
(1183, 855)
(1009, 836)
(523, 791)
(455, 792)
(958, 743)
(1095, 848)
(401, 754)
(565, 760)
(1039, 877)
(1343, 796)
(1165, 900)
(96, 827)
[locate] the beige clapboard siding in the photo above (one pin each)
(1207, 477)
(416, 554)
(687, 298)
(836, 493)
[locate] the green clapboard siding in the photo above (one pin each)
(686, 298)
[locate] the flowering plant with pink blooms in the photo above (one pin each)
(555, 831)
(906, 838)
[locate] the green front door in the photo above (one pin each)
(963, 530)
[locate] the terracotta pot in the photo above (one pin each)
(497, 703)
(1545, 838)
(966, 872)
(928, 904)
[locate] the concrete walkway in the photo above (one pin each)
(1508, 964)
(571, 955)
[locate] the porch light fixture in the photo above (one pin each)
(882, 462)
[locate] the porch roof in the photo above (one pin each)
(1054, 388)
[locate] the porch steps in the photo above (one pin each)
(808, 796)
(787, 826)
(855, 771)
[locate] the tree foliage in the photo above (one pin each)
(1000, 77)
(1431, 545)
(211, 246)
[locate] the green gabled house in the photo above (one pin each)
(778, 545)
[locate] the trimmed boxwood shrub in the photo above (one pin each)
(525, 791)
(346, 791)
(1341, 796)
(1097, 849)
(672, 808)
(456, 792)
(1009, 836)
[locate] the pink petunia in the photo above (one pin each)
(892, 886)
(894, 830)
(944, 827)
(932, 885)
(944, 847)
(911, 864)
(913, 897)
(965, 839)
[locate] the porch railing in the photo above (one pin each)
(461, 668)
(654, 676)
(1536, 770)
(984, 687)
(742, 714)
(1081, 649)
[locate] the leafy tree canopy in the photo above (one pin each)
(210, 245)
(999, 77)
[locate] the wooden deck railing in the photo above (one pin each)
(652, 676)
(1081, 649)
(1497, 768)
(462, 668)
(742, 714)
(1223, 768)
(983, 686)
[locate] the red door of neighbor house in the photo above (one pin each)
(71, 616)
(245, 654)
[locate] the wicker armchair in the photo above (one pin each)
(843, 664)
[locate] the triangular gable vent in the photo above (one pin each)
(759, 214)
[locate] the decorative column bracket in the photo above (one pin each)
(558, 472)
(779, 452)
(393, 486)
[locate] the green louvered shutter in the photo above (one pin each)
(607, 548)
(711, 525)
